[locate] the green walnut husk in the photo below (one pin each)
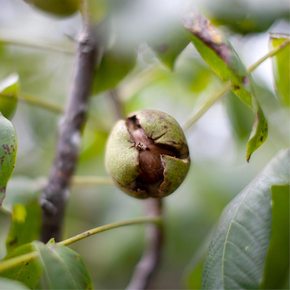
(8, 148)
(147, 154)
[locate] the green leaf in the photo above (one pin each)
(258, 135)
(238, 249)
(281, 67)
(224, 61)
(277, 262)
(171, 45)
(62, 8)
(25, 226)
(8, 148)
(28, 273)
(220, 56)
(22, 190)
(240, 117)
(194, 277)
(113, 68)
(63, 268)
(9, 92)
(246, 16)
(7, 284)
(23, 203)
(5, 220)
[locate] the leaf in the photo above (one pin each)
(5, 220)
(62, 8)
(224, 61)
(23, 203)
(25, 226)
(240, 117)
(238, 249)
(277, 263)
(9, 92)
(28, 273)
(246, 17)
(171, 45)
(7, 284)
(63, 268)
(258, 135)
(220, 56)
(113, 68)
(22, 190)
(8, 148)
(194, 277)
(281, 67)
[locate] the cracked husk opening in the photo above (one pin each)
(151, 165)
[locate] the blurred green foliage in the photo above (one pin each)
(276, 274)
(245, 16)
(219, 170)
(282, 68)
(9, 91)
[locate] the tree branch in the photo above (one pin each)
(55, 193)
(150, 260)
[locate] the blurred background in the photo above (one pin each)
(217, 141)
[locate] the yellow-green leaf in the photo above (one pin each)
(28, 272)
(25, 225)
(61, 8)
(281, 67)
(9, 91)
(241, 118)
(225, 62)
(23, 203)
(258, 135)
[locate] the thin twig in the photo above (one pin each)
(207, 105)
(271, 53)
(35, 45)
(91, 180)
(54, 195)
(54, 108)
(147, 266)
(14, 262)
(141, 220)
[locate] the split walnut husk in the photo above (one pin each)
(147, 154)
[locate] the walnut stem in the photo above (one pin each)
(151, 258)
(147, 266)
(54, 195)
